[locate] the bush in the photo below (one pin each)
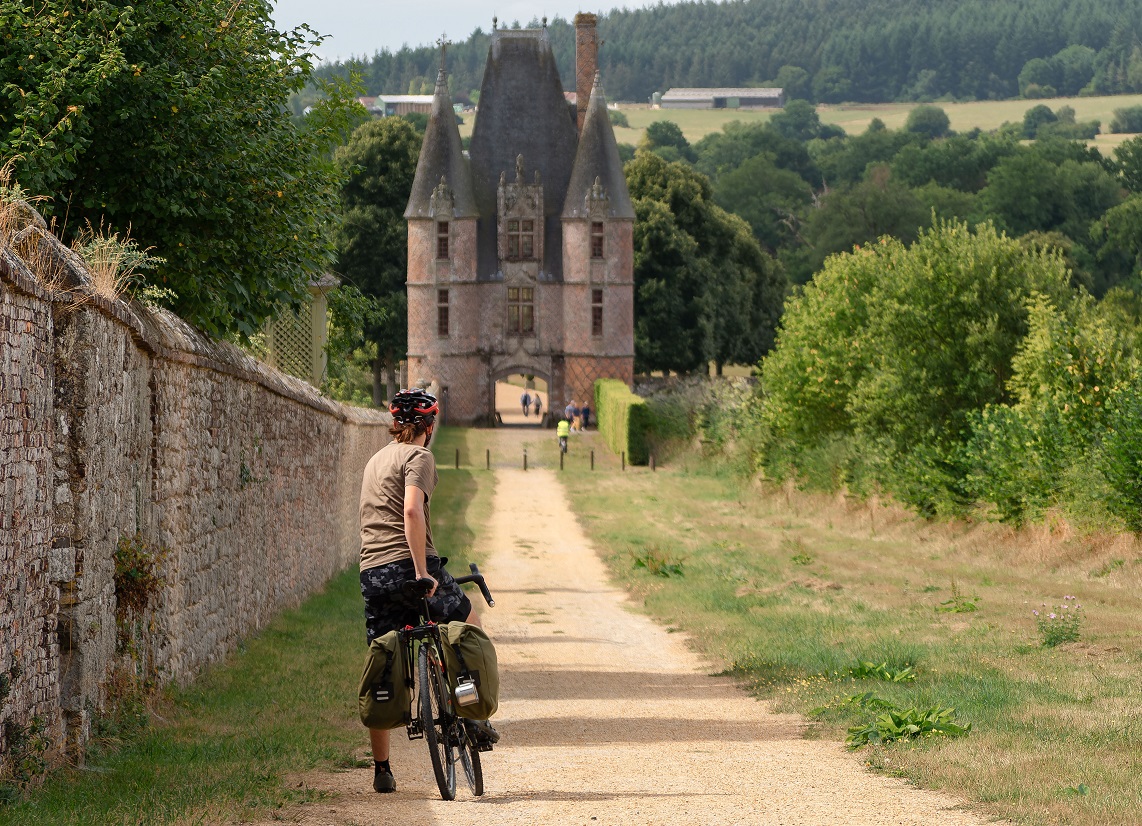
(624, 420)
(1128, 119)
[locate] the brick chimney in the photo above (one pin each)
(586, 62)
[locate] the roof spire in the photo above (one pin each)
(443, 42)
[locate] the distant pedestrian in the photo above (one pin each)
(525, 403)
(576, 421)
(538, 404)
(586, 411)
(569, 410)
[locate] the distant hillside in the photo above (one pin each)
(831, 50)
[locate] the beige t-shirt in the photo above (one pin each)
(392, 468)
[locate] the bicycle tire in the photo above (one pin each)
(435, 714)
(470, 759)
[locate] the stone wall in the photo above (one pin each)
(116, 421)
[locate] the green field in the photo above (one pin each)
(855, 117)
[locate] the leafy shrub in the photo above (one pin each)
(1120, 458)
(1128, 119)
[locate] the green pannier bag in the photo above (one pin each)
(470, 656)
(385, 696)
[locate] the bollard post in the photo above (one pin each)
(592, 460)
(561, 460)
(624, 460)
(652, 461)
(525, 460)
(488, 458)
(457, 458)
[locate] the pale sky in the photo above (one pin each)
(360, 27)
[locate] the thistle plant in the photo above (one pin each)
(1059, 623)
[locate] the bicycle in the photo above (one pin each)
(433, 713)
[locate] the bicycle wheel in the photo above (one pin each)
(437, 719)
(470, 759)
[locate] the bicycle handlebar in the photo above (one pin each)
(478, 578)
(420, 587)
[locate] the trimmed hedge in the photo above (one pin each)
(624, 420)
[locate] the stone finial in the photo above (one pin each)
(495, 22)
(537, 178)
(519, 168)
(503, 179)
(442, 200)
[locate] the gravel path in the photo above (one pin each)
(608, 719)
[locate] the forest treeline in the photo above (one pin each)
(878, 51)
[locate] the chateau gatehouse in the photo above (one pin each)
(520, 250)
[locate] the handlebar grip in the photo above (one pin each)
(479, 580)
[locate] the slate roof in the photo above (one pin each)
(522, 111)
(441, 157)
(598, 158)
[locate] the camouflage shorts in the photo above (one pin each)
(388, 609)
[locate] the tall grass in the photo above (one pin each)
(217, 751)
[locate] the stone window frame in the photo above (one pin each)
(596, 312)
(520, 311)
(442, 313)
(598, 236)
(443, 240)
(519, 234)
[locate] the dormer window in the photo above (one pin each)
(521, 239)
(597, 236)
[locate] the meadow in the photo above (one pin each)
(854, 118)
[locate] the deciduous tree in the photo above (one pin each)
(172, 120)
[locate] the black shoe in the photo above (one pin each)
(384, 781)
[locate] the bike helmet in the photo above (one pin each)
(411, 406)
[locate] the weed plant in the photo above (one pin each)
(1059, 623)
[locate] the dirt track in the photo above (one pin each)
(608, 719)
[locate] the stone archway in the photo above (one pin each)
(508, 382)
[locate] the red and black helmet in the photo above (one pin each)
(411, 406)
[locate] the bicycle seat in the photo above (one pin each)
(418, 588)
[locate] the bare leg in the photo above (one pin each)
(474, 619)
(379, 740)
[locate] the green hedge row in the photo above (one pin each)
(624, 420)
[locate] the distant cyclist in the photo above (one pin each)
(396, 540)
(562, 431)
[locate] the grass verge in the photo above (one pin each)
(791, 592)
(284, 703)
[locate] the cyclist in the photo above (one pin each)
(562, 431)
(396, 540)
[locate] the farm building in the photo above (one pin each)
(723, 99)
(397, 104)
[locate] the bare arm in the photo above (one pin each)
(415, 531)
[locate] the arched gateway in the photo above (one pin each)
(520, 253)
